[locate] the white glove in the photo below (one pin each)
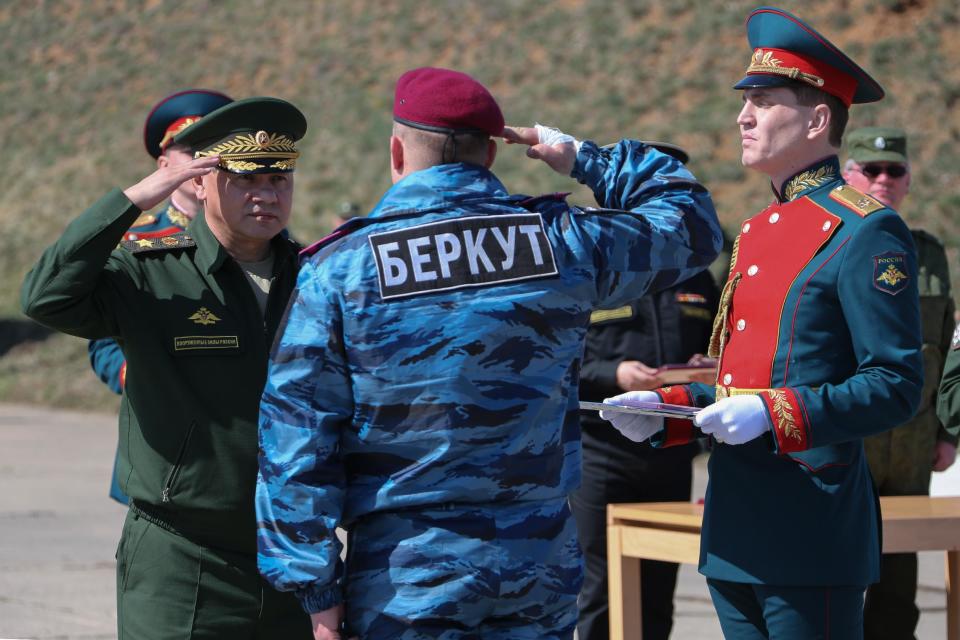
(734, 420)
(552, 136)
(633, 426)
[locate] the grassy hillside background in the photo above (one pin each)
(80, 76)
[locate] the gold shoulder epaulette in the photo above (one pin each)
(144, 219)
(854, 199)
(175, 241)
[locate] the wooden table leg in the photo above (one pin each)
(623, 584)
(953, 595)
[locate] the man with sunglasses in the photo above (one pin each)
(901, 460)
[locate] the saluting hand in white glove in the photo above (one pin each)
(556, 148)
(633, 426)
(734, 420)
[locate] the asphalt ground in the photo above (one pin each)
(59, 533)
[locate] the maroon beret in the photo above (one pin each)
(445, 101)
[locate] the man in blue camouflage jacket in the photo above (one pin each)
(423, 392)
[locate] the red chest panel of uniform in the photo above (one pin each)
(773, 248)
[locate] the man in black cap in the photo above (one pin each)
(166, 119)
(423, 390)
(195, 313)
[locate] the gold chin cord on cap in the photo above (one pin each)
(764, 62)
(240, 152)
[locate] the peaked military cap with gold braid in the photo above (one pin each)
(786, 49)
(175, 113)
(255, 135)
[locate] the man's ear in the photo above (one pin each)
(396, 158)
(491, 153)
(819, 121)
(199, 188)
(162, 161)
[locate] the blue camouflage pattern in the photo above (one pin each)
(465, 397)
(510, 572)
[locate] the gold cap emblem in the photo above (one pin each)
(262, 138)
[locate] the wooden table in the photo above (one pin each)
(670, 531)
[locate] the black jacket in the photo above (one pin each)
(667, 327)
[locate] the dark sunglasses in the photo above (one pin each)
(892, 170)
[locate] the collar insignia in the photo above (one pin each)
(204, 316)
(808, 180)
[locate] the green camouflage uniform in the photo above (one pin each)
(901, 459)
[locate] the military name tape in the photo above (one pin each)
(472, 251)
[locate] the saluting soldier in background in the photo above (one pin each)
(423, 392)
(195, 313)
(819, 342)
(901, 460)
(168, 117)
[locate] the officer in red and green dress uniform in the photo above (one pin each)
(819, 341)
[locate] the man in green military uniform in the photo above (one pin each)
(166, 119)
(948, 398)
(195, 314)
(901, 460)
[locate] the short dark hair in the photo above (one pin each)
(810, 96)
(444, 148)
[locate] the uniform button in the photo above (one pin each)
(727, 378)
(741, 324)
(746, 227)
(774, 217)
(752, 271)
(826, 225)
